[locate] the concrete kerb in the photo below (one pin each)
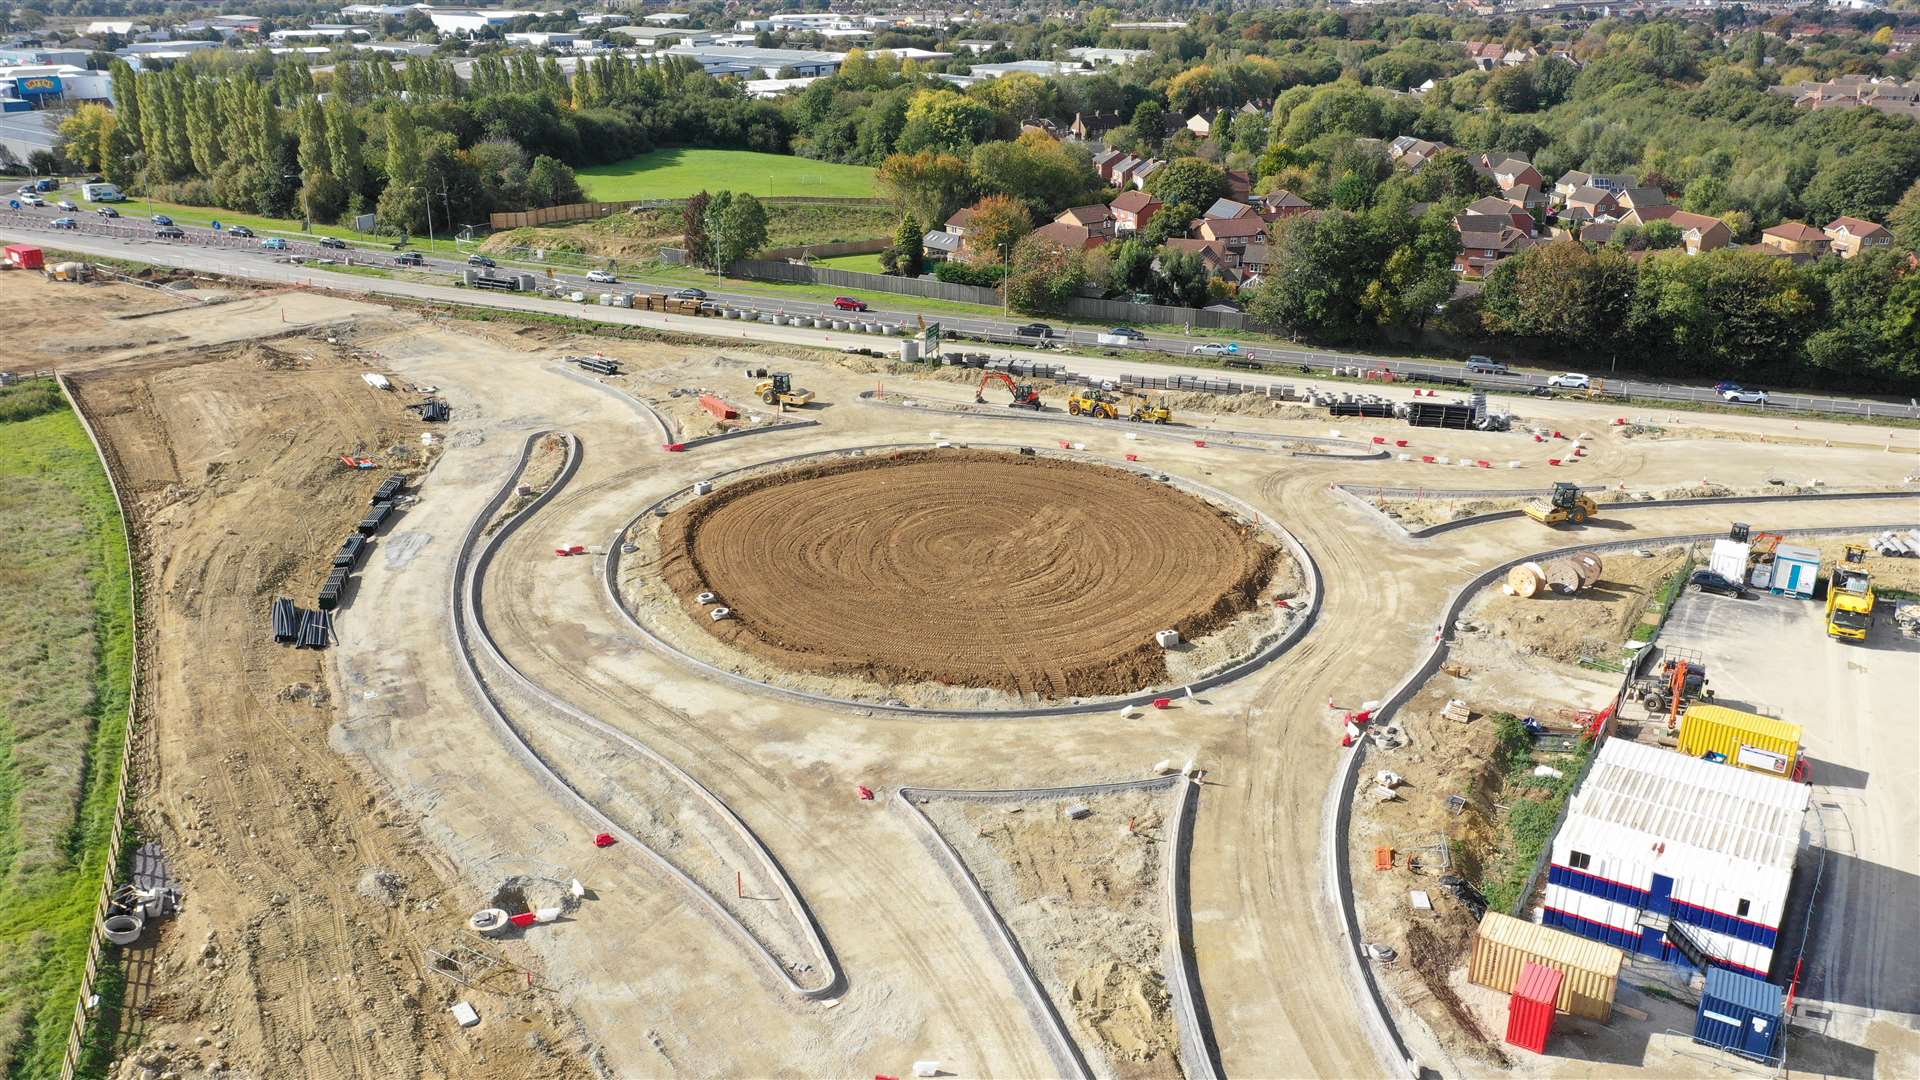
(468, 624)
(1338, 813)
(610, 582)
(1199, 1049)
(1360, 496)
(741, 433)
(1065, 1050)
(867, 397)
(667, 434)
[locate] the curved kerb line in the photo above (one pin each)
(467, 606)
(1359, 495)
(1067, 1054)
(1245, 667)
(1340, 796)
(866, 397)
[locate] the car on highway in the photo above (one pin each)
(67, 205)
(1486, 365)
(602, 277)
(1127, 332)
(32, 200)
(274, 243)
(162, 219)
(333, 242)
(1034, 329)
(106, 211)
(1216, 348)
(239, 230)
(1709, 581)
(690, 294)
(1743, 396)
(410, 258)
(1725, 385)
(65, 223)
(848, 303)
(481, 260)
(1571, 380)
(170, 232)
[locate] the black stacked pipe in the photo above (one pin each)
(286, 619)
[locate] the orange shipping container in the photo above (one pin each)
(720, 409)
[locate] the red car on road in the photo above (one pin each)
(848, 303)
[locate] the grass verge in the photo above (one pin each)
(1535, 801)
(66, 664)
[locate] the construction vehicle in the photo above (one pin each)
(1025, 396)
(1094, 403)
(1565, 504)
(1681, 678)
(777, 389)
(1850, 597)
(1148, 411)
(65, 271)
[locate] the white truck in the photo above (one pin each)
(101, 193)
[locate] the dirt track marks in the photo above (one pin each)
(975, 568)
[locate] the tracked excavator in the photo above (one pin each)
(1024, 394)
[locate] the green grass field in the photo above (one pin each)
(859, 264)
(66, 659)
(676, 174)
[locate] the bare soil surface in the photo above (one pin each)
(282, 963)
(1085, 899)
(1045, 576)
(1591, 622)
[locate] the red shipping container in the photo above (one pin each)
(24, 257)
(720, 409)
(1530, 1012)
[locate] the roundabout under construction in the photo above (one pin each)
(772, 849)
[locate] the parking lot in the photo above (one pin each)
(1860, 989)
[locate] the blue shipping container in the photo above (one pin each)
(1742, 1015)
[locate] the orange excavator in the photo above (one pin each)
(1024, 394)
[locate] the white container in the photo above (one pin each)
(703, 487)
(719, 613)
(546, 914)
(376, 380)
(1166, 639)
(926, 1068)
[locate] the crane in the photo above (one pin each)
(1024, 394)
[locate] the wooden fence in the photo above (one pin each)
(97, 939)
(549, 215)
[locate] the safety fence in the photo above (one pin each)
(83, 1006)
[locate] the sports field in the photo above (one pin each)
(676, 174)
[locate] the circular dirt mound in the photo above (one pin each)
(1033, 575)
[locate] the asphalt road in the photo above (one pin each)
(137, 228)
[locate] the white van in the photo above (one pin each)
(101, 193)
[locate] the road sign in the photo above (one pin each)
(932, 336)
(216, 226)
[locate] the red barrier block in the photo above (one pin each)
(1379, 440)
(675, 448)
(1200, 442)
(1133, 457)
(1553, 461)
(1400, 443)
(866, 793)
(562, 552)
(525, 918)
(1428, 458)
(577, 549)
(1162, 703)
(603, 840)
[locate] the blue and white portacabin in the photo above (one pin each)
(1677, 858)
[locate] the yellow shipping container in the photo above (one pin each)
(1750, 741)
(1503, 945)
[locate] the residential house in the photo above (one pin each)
(1639, 198)
(1849, 236)
(1104, 161)
(1096, 218)
(1232, 233)
(1200, 125)
(1507, 171)
(1228, 208)
(1086, 128)
(1599, 232)
(1283, 204)
(1132, 210)
(1071, 236)
(1589, 202)
(940, 245)
(1255, 258)
(1213, 255)
(1525, 196)
(1505, 212)
(1484, 241)
(958, 226)
(1795, 238)
(1645, 215)
(1700, 232)
(1575, 180)
(1412, 153)
(1120, 173)
(1145, 172)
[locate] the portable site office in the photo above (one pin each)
(1677, 858)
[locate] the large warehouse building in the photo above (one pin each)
(1677, 858)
